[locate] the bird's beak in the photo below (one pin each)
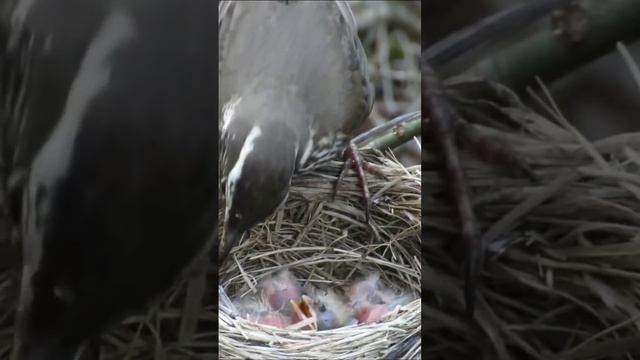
(304, 311)
(231, 239)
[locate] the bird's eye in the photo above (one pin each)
(323, 308)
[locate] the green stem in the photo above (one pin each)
(400, 135)
(549, 56)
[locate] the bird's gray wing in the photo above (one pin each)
(310, 44)
(360, 70)
(223, 7)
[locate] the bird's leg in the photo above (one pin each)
(441, 114)
(352, 158)
(351, 154)
(447, 126)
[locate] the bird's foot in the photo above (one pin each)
(352, 158)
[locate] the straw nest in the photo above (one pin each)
(328, 243)
(562, 272)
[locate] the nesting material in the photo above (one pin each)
(327, 243)
(284, 304)
(562, 273)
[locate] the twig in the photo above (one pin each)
(443, 118)
(399, 136)
(546, 55)
(384, 128)
(489, 28)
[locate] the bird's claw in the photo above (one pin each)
(352, 158)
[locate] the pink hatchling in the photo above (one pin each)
(370, 301)
(279, 290)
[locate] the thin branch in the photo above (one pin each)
(549, 56)
(384, 128)
(400, 135)
(443, 117)
(487, 29)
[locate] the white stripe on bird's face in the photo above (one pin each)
(53, 159)
(236, 170)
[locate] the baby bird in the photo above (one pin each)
(280, 303)
(331, 309)
(258, 312)
(279, 290)
(371, 302)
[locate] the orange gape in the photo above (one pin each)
(303, 311)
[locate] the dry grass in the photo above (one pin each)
(390, 33)
(327, 242)
(562, 277)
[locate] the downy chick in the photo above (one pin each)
(371, 302)
(331, 309)
(279, 290)
(258, 312)
(280, 302)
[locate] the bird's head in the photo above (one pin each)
(260, 147)
(279, 290)
(330, 309)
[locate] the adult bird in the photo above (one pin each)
(293, 84)
(109, 115)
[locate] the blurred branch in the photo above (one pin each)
(443, 117)
(547, 55)
(489, 28)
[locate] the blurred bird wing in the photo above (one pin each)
(223, 7)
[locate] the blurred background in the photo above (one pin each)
(600, 98)
(391, 35)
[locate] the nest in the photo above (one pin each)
(328, 242)
(562, 271)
